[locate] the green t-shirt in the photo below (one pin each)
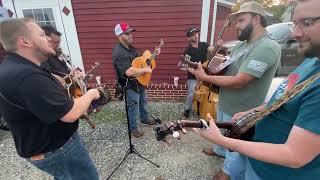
(261, 62)
(301, 111)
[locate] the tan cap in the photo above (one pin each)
(250, 7)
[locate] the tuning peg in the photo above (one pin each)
(184, 131)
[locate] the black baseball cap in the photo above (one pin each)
(191, 31)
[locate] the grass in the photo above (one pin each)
(114, 111)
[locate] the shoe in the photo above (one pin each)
(149, 122)
(186, 113)
(210, 152)
(137, 133)
(221, 176)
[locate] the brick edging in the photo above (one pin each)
(156, 92)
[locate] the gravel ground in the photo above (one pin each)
(108, 144)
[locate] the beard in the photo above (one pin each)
(246, 32)
(313, 51)
(42, 53)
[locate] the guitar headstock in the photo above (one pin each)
(157, 50)
(161, 43)
(185, 62)
(165, 129)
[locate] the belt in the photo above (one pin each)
(37, 157)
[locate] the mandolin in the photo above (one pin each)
(234, 129)
(76, 87)
(147, 59)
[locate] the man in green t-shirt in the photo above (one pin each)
(247, 79)
(287, 141)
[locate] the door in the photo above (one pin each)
(50, 12)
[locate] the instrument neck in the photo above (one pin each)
(216, 46)
(154, 54)
(199, 124)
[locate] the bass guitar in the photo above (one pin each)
(146, 60)
(237, 129)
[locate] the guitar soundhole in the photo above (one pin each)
(148, 62)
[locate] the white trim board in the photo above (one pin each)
(65, 23)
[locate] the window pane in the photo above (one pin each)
(27, 13)
(41, 23)
(48, 14)
(38, 15)
(53, 24)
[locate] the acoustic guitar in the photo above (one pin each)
(235, 129)
(147, 59)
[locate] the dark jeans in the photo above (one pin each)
(137, 102)
(70, 162)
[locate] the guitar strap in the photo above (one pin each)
(251, 121)
(240, 54)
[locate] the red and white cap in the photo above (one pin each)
(122, 28)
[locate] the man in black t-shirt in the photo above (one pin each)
(122, 56)
(198, 52)
(43, 120)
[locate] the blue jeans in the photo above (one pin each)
(69, 162)
(137, 102)
(221, 117)
(250, 174)
(191, 84)
(234, 163)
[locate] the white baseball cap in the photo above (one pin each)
(122, 28)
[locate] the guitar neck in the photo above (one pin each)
(86, 76)
(194, 65)
(220, 35)
(154, 54)
(199, 124)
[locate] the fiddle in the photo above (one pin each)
(76, 86)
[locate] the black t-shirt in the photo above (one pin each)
(56, 66)
(122, 60)
(37, 127)
(197, 54)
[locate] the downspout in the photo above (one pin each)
(14, 8)
(214, 18)
(205, 20)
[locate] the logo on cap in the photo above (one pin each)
(191, 31)
(122, 28)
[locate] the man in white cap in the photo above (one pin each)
(287, 141)
(122, 56)
(247, 79)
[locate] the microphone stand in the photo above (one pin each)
(131, 149)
